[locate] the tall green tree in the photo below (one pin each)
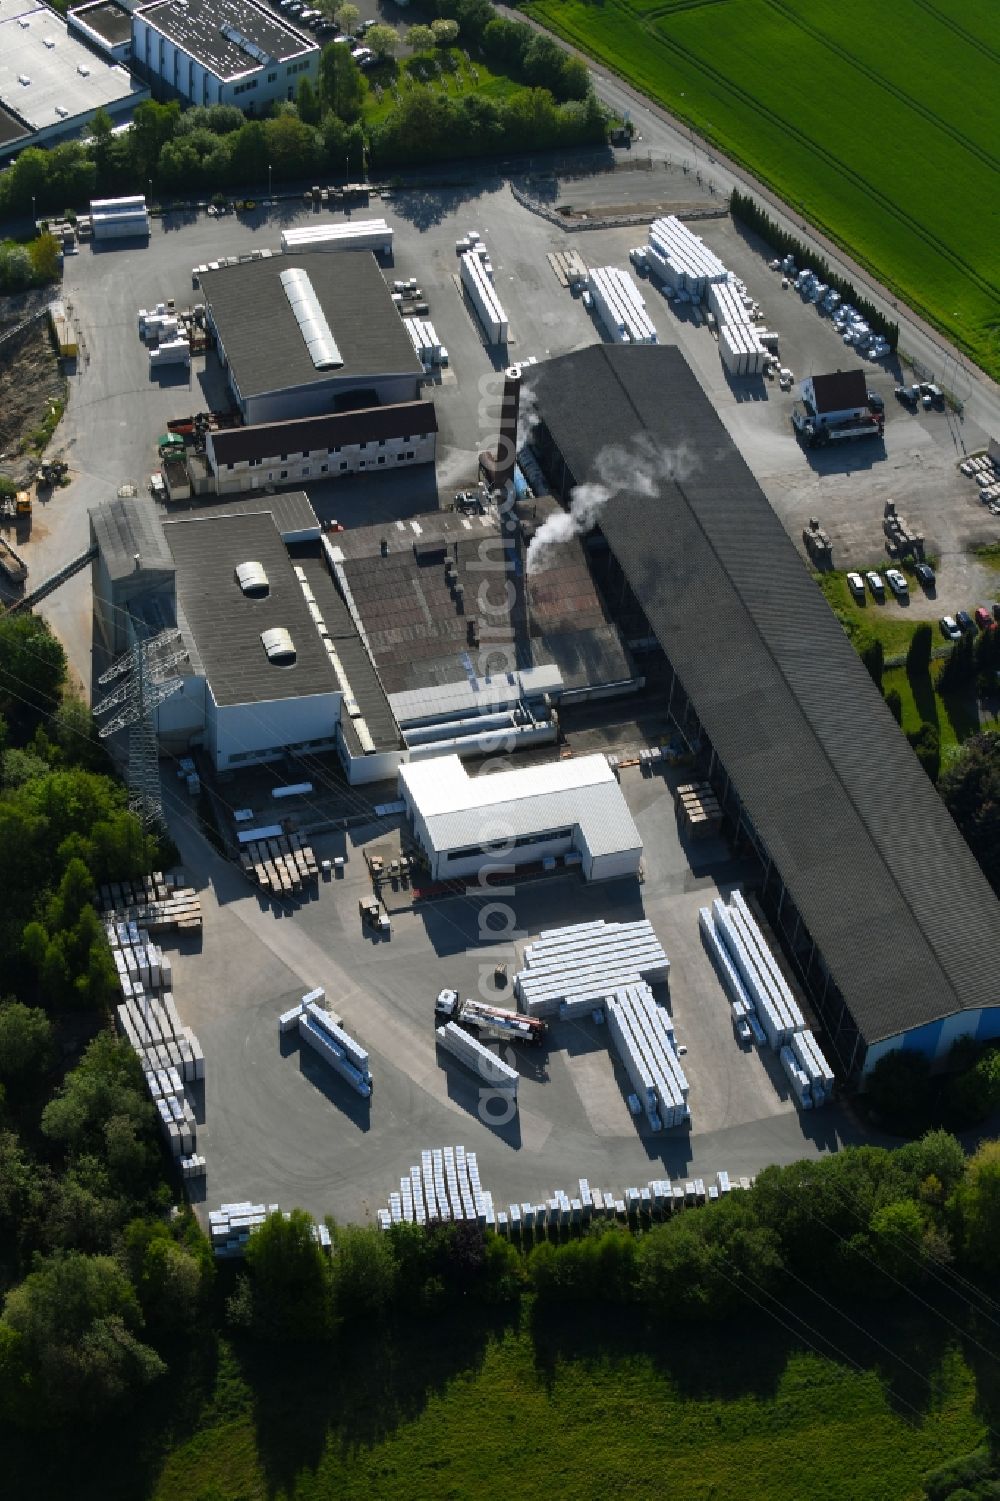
(32, 670)
(342, 88)
(977, 1204)
(290, 1280)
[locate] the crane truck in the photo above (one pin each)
(489, 1021)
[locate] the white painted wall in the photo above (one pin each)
(239, 734)
(393, 453)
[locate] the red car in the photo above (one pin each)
(984, 618)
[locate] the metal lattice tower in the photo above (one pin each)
(144, 684)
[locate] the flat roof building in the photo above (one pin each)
(105, 26)
(467, 825)
(891, 925)
(265, 347)
(52, 80)
(221, 52)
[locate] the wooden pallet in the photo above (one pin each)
(283, 865)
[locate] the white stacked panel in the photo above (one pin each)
(768, 963)
(322, 1034)
(621, 307)
(484, 298)
(798, 1078)
(681, 259)
(776, 1024)
(474, 1055)
(358, 234)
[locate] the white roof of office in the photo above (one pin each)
(460, 809)
(35, 44)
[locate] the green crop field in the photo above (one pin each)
(881, 126)
(584, 1403)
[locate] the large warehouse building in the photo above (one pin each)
(300, 336)
(893, 929)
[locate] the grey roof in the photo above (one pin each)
(884, 881)
(266, 440)
(54, 75)
(264, 344)
(227, 625)
(123, 528)
(231, 37)
(109, 20)
(292, 509)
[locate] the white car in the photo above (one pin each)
(856, 584)
(875, 584)
(897, 583)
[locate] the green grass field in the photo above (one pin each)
(882, 127)
(455, 82)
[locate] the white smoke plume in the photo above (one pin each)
(527, 416)
(639, 467)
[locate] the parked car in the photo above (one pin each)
(856, 584)
(897, 583)
(875, 402)
(925, 573)
(984, 618)
(996, 610)
(875, 584)
(964, 620)
(908, 394)
(950, 628)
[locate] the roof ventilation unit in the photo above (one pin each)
(252, 580)
(83, 70)
(313, 326)
(278, 645)
(23, 79)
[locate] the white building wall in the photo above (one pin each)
(241, 734)
(613, 867)
(393, 453)
(443, 869)
(182, 73)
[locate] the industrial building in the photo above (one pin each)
(221, 52)
(573, 811)
(324, 339)
(104, 26)
(887, 918)
(53, 76)
(329, 446)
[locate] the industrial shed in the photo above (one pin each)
(352, 352)
(574, 811)
(892, 928)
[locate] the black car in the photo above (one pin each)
(875, 402)
(926, 575)
(964, 621)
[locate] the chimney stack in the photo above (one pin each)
(498, 467)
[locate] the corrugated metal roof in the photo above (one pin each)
(124, 528)
(884, 881)
(460, 809)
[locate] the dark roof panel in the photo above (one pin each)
(263, 341)
(884, 881)
(840, 392)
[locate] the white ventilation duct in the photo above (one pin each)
(252, 580)
(279, 647)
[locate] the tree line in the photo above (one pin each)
(749, 212)
(323, 132)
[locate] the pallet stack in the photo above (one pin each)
(231, 1226)
(699, 810)
(446, 1186)
(282, 865)
(168, 1051)
(160, 903)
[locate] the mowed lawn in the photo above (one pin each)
(881, 125)
(592, 1425)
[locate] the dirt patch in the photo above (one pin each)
(30, 382)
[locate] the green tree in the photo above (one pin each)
(290, 1279)
(383, 40)
(307, 102)
(444, 31)
(894, 704)
(44, 254)
(292, 147)
(75, 734)
(926, 743)
(347, 17)
(421, 38)
(977, 1204)
(25, 1043)
(101, 134)
(75, 1322)
(918, 657)
(342, 88)
(107, 1082)
(873, 656)
(32, 670)
(16, 270)
(574, 79)
(364, 1271)
(248, 153)
(170, 1278)
(153, 125)
(897, 1241)
(899, 1089)
(970, 787)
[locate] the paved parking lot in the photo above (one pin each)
(279, 1126)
